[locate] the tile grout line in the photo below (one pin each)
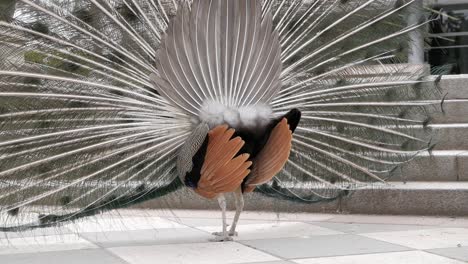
(239, 242)
(263, 251)
(359, 254)
(409, 248)
(406, 249)
(307, 223)
(449, 257)
(290, 260)
(193, 228)
(379, 253)
(104, 249)
(201, 242)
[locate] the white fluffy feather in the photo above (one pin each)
(251, 117)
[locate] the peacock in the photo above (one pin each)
(109, 103)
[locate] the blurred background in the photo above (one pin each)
(447, 47)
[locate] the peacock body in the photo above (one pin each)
(105, 104)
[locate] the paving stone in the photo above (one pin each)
(203, 253)
(322, 246)
(276, 230)
(92, 256)
(369, 228)
(43, 244)
(460, 253)
(425, 239)
(410, 257)
(148, 237)
(316, 238)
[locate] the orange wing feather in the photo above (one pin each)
(222, 171)
(273, 156)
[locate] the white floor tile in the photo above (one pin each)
(276, 230)
(409, 257)
(105, 224)
(203, 253)
(148, 237)
(460, 253)
(322, 246)
(456, 222)
(43, 244)
(356, 228)
(425, 239)
(87, 256)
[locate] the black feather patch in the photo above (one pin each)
(427, 121)
(40, 27)
(254, 143)
(399, 3)
(48, 219)
(193, 177)
(65, 200)
(13, 212)
(293, 117)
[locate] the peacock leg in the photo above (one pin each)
(239, 200)
(223, 236)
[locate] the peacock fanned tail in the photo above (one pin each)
(98, 96)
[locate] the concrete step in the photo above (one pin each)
(451, 136)
(454, 89)
(455, 111)
(454, 86)
(412, 198)
(444, 166)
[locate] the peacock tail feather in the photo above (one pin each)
(98, 96)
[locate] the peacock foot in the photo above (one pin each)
(221, 238)
(221, 233)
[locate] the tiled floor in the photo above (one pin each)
(140, 237)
